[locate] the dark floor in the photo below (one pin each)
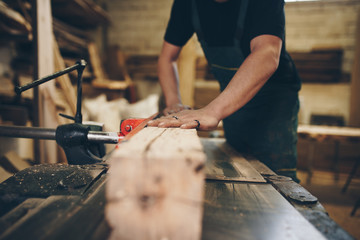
(339, 205)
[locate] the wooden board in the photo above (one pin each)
(64, 81)
(44, 95)
(187, 69)
(101, 80)
(321, 133)
(61, 202)
(354, 120)
(4, 174)
(155, 186)
(12, 162)
(225, 164)
(251, 211)
(321, 65)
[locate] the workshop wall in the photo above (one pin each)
(323, 24)
(139, 25)
(319, 25)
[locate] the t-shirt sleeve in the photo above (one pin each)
(179, 29)
(267, 17)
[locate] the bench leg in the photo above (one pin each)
(357, 204)
(351, 175)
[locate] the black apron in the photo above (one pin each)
(266, 126)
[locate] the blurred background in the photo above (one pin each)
(121, 40)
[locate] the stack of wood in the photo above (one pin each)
(143, 67)
(319, 65)
(13, 25)
(72, 41)
(84, 14)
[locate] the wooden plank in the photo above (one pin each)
(4, 174)
(187, 68)
(143, 67)
(13, 22)
(321, 65)
(44, 180)
(12, 162)
(95, 62)
(101, 80)
(116, 64)
(155, 185)
(41, 220)
(321, 133)
(260, 167)
(85, 14)
(354, 120)
(83, 220)
(225, 164)
(252, 211)
(64, 81)
(44, 104)
(17, 213)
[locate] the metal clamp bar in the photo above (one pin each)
(27, 132)
(35, 83)
(50, 134)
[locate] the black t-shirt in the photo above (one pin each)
(218, 22)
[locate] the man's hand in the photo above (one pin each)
(175, 108)
(186, 119)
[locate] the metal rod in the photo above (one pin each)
(27, 132)
(50, 134)
(19, 90)
(104, 137)
(80, 69)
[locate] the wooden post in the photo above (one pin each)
(45, 113)
(155, 186)
(355, 82)
(187, 72)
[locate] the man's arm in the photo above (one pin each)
(169, 78)
(257, 68)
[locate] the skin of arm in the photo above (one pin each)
(256, 69)
(169, 78)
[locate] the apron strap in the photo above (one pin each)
(196, 21)
(239, 25)
(241, 22)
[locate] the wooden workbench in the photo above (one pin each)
(335, 134)
(243, 200)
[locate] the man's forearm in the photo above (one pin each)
(169, 81)
(168, 75)
(257, 68)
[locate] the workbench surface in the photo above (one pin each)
(243, 200)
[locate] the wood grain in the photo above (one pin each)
(251, 211)
(155, 186)
(225, 164)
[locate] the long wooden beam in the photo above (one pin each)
(155, 186)
(355, 82)
(44, 105)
